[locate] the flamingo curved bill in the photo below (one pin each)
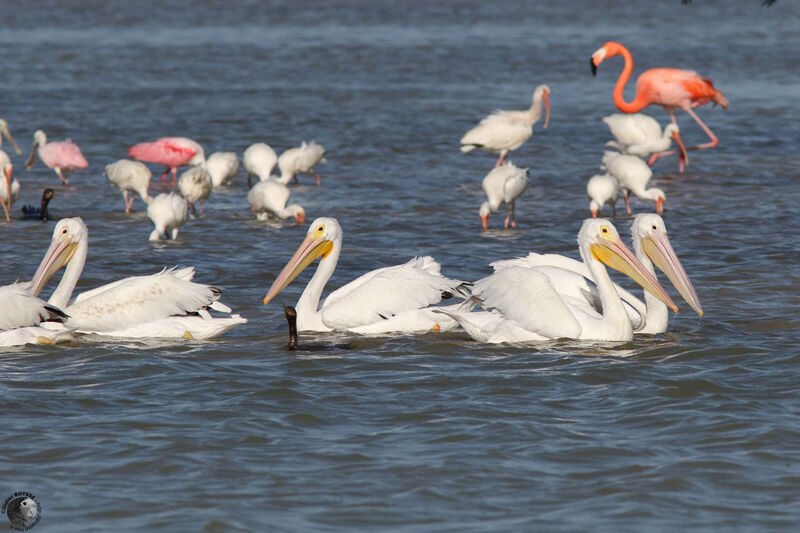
(311, 248)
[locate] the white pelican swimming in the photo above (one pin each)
(633, 175)
(503, 184)
(195, 185)
(300, 160)
(641, 135)
(504, 131)
(222, 166)
(20, 316)
(651, 245)
(168, 212)
(259, 159)
(167, 304)
(130, 176)
(534, 303)
(269, 197)
(394, 299)
(9, 188)
(602, 190)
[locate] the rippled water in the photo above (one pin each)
(693, 429)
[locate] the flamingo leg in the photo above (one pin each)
(681, 162)
(316, 176)
(627, 203)
(164, 175)
(61, 176)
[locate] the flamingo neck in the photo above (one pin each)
(614, 324)
(641, 101)
(62, 294)
(309, 317)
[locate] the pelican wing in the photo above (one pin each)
(18, 308)
(383, 293)
(578, 286)
(529, 298)
(138, 300)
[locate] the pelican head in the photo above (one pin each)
(650, 239)
(543, 92)
(5, 131)
(323, 234)
(68, 233)
(601, 239)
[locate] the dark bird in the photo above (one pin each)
(31, 211)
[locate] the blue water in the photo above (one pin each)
(695, 429)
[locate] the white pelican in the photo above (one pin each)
(167, 304)
(601, 190)
(9, 189)
(641, 135)
(4, 131)
(222, 166)
(504, 131)
(300, 160)
(168, 213)
(130, 176)
(534, 303)
(503, 184)
(259, 159)
(394, 299)
(195, 185)
(633, 175)
(270, 197)
(20, 316)
(651, 245)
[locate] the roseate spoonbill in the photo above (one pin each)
(7, 132)
(504, 131)
(602, 190)
(668, 87)
(167, 304)
(259, 159)
(130, 176)
(269, 197)
(61, 156)
(300, 160)
(41, 212)
(195, 185)
(633, 175)
(7, 187)
(394, 299)
(505, 183)
(641, 135)
(222, 166)
(544, 302)
(172, 152)
(168, 212)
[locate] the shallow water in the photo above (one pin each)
(692, 429)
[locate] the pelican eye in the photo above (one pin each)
(654, 226)
(604, 229)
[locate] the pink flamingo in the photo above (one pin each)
(667, 87)
(61, 156)
(172, 152)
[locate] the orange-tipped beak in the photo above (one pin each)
(547, 108)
